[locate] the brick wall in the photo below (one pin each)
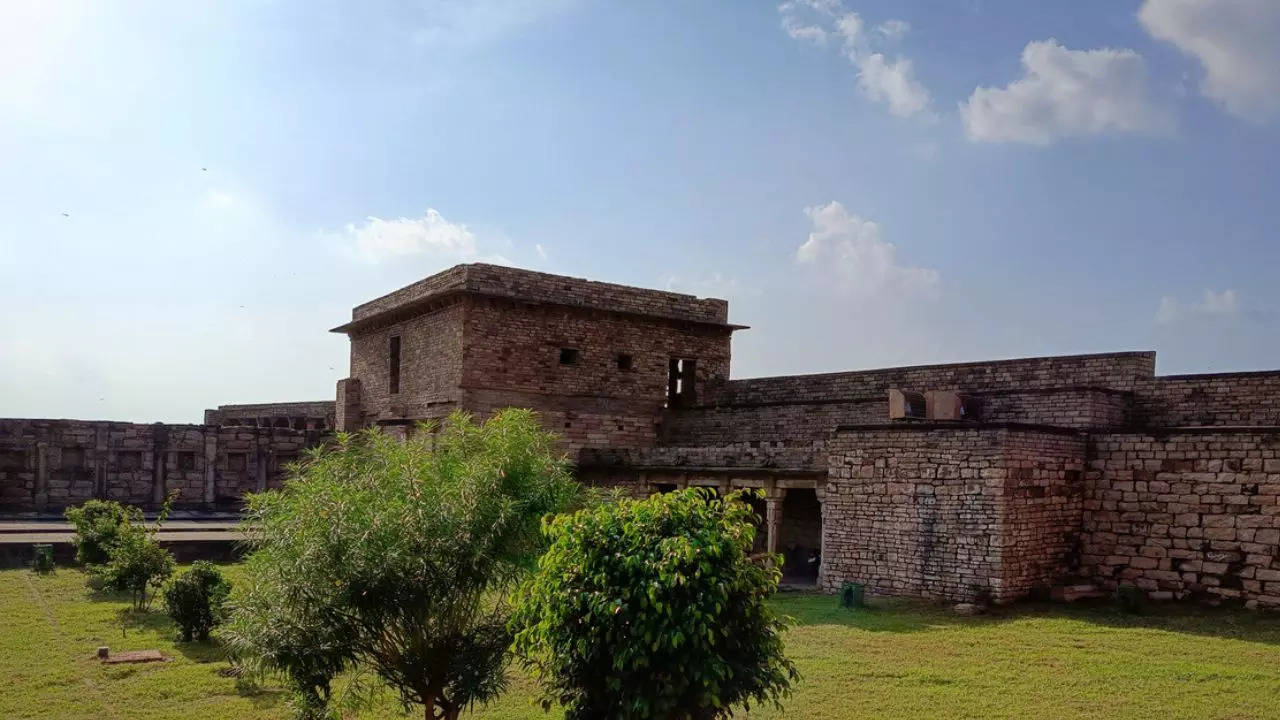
(512, 357)
(1186, 513)
(941, 512)
(430, 366)
(1214, 399)
(49, 464)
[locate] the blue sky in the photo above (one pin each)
(193, 193)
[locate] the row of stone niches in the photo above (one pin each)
(75, 458)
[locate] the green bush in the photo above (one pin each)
(653, 610)
(391, 557)
(42, 558)
(97, 524)
(136, 564)
(195, 600)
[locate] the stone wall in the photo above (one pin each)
(809, 422)
(46, 465)
(1116, 371)
(527, 285)
(1186, 513)
(598, 379)
(1251, 398)
(944, 512)
(313, 415)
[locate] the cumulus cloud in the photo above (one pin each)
(890, 82)
(377, 239)
(1212, 303)
(1066, 93)
(1235, 41)
(852, 248)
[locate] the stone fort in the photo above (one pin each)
(987, 479)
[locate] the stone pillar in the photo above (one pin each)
(263, 455)
(210, 466)
(157, 454)
(100, 456)
(773, 517)
(820, 490)
(347, 408)
(41, 497)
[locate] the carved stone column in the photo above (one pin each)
(820, 490)
(773, 517)
(41, 497)
(210, 465)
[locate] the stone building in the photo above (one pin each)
(991, 479)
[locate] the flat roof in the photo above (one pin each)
(481, 279)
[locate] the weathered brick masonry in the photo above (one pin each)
(1085, 467)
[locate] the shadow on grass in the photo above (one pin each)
(902, 615)
(158, 622)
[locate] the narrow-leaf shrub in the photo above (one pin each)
(652, 609)
(392, 557)
(97, 526)
(194, 600)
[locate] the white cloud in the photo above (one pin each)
(1066, 93)
(893, 28)
(1235, 41)
(852, 248)
(892, 83)
(1212, 303)
(378, 239)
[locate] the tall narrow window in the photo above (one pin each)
(681, 389)
(395, 364)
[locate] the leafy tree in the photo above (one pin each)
(394, 555)
(195, 600)
(97, 524)
(135, 560)
(275, 631)
(652, 609)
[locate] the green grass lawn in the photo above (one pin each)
(899, 659)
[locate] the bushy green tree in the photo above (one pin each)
(195, 600)
(653, 610)
(97, 525)
(398, 551)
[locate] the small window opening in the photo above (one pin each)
(568, 356)
(127, 460)
(626, 362)
(395, 364)
(186, 461)
(237, 462)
